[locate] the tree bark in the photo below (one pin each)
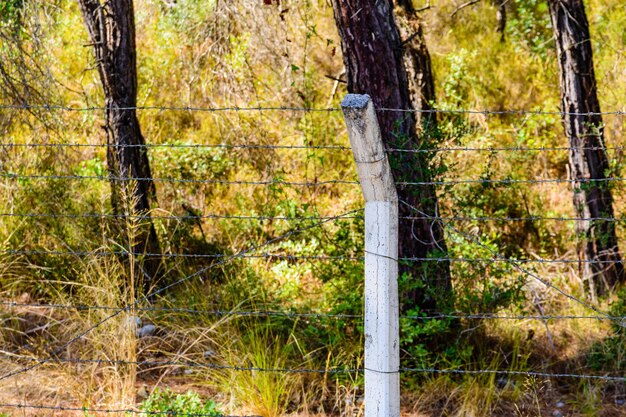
(603, 268)
(417, 64)
(111, 28)
(373, 58)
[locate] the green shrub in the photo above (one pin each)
(168, 403)
(610, 353)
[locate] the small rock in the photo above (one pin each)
(132, 322)
(142, 393)
(557, 413)
(560, 404)
(24, 298)
(188, 371)
(359, 400)
(209, 354)
(147, 330)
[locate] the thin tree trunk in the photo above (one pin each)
(111, 28)
(373, 58)
(501, 18)
(603, 268)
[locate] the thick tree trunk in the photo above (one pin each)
(603, 268)
(374, 63)
(417, 64)
(111, 27)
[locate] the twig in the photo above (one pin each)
(423, 8)
(410, 38)
(339, 80)
(463, 6)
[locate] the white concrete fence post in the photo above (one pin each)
(382, 340)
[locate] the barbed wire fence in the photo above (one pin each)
(302, 224)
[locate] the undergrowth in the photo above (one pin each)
(60, 242)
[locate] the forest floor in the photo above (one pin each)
(60, 385)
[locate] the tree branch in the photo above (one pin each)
(339, 80)
(463, 6)
(410, 38)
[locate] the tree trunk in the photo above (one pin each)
(373, 58)
(501, 18)
(603, 268)
(417, 64)
(111, 27)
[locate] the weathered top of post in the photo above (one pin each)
(357, 101)
(368, 149)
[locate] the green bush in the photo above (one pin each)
(610, 353)
(168, 403)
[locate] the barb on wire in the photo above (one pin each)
(177, 180)
(151, 295)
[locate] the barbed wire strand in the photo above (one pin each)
(282, 256)
(510, 260)
(61, 107)
(219, 313)
(184, 255)
(165, 288)
(303, 218)
(503, 181)
(112, 411)
(188, 364)
(507, 181)
(517, 219)
(173, 217)
(331, 371)
(178, 180)
(486, 112)
(514, 373)
(506, 149)
(169, 145)
(290, 314)
(308, 147)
